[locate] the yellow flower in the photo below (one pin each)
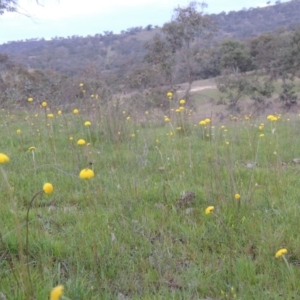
(237, 196)
(261, 135)
(48, 188)
(87, 123)
(178, 128)
(281, 252)
(133, 135)
(227, 143)
(30, 99)
(207, 120)
(86, 174)
(59, 112)
(181, 108)
(261, 127)
(147, 112)
(182, 102)
(71, 138)
(81, 84)
(56, 292)
(81, 142)
(167, 119)
(177, 110)
(169, 95)
(3, 158)
(50, 115)
(75, 111)
(18, 131)
(44, 104)
(92, 96)
(209, 209)
(31, 148)
(203, 122)
(128, 118)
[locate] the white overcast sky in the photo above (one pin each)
(77, 17)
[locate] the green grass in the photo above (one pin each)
(123, 233)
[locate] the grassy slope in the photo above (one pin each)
(124, 233)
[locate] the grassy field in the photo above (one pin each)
(139, 228)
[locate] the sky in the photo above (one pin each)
(63, 18)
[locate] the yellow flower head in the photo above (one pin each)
(169, 95)
(18, 131)
(56, 292)
(128, 118)
(281, 252)
(50, 116)
(182, 102)
(167, 119)
(86, 174)
(207, 120)
(59, 112)
(237, 196)
(81, 84)
(146, 112)
(75, 111)
(3, 158)
(202, 123)
(133, 136)
(31, 148)
(44, 104)
(181, 108)
(81, 142)
(261, 135)
(30, 99)
(48, 188)
(87, 123)
(209, 209)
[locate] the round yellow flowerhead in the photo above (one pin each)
(86, 174)
(48, 188)
(50, 116)
(209, 209)
(59, 112)
(87, 123)
(237, 196)
(81, 142)
(3, 158)
(75, 111)
(281, 252)
(18, 131)
(81, 84)
(182, 102)
(167, 119)
(30, 99)
(181, 108)
(56, 292)
(31, 148)
(169, 95)
(44, 104)
(202, 123)
(133, 136)
(207, 120)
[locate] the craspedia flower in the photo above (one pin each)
(237, 196)
(133, 136)
(169, 95)
(48, 188)
(86, 174)
(81, 142)
(59, 112)
(280, 252)
(182, 102)
(44, 104)
(18, 131)
(87, 123)
(181, 108)
(209, 209)
(202, 123)
(3, 158)
(75, 111)
(167, 119)
(207, 120)
(30, 99)
(56, 292)
(31, 148)
(50, 116)
(81, 84)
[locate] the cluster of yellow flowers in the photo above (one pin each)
(273, 118)
(204, 122)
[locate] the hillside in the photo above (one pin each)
(111, 56)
